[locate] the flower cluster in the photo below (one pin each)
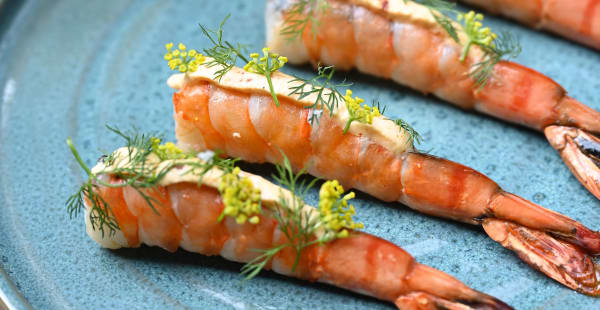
(472, 26)
(167, 151)
(241, 199)
(270, 62)
(363, 114)
(183, 60)
(335, 213)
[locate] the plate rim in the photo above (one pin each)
(10, 296)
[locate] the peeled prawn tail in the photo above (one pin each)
(424, 301)
(367, 263)
(580, 151)
(558, 246)
(426, 282)
(576, 114)
(568, 124)
(552, 243)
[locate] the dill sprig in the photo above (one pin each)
(299, 15)
(505, 46)
(301, 224)
(495, 48)
(100, 213)
(294, 221)
(328, 95)
(439, 10)
(223, 53)
(412, 132)
(325, 89)
(141, 170)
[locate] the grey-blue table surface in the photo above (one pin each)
(69, 67)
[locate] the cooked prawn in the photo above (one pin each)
(576, 20)
(187, 217)
(400, 40)
(550, 242)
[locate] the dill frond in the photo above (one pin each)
(300, 224)
(142, 172)
(325, 89)
(495, 48)
(253, 267)
(100, 213)
(439, 10)
(293, 220)
(506, 46)
(413, 134)
(299, 15)
(223, 53)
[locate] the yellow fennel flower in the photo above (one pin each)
(183, 60)
(168, 150)
(363, 114)
(484, 37)
(241, 199)
(335, 212)
(270, 62)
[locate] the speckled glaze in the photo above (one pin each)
(67, 68)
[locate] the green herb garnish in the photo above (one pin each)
(300, 224)
(142, 167)
(299, 15)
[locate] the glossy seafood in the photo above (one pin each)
(237, 115)
(576, 20)
(401, 41)
(187, 216)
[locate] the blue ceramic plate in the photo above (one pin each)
(67, 68)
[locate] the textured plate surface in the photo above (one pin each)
(67, 68)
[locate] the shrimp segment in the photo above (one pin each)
(576, 20)
(127, 221)
(361, 263)
(428, 184)
(158, 227)
(230, 118)
(202, 232)
(286, 139)
(379, 57)
(400, 40)
(195, 104)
